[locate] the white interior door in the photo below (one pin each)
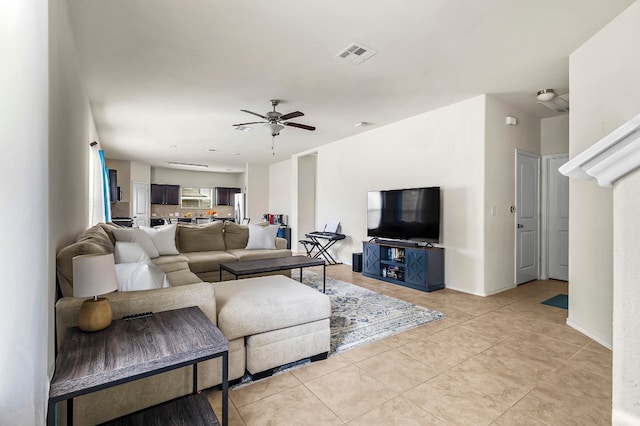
(140, 204)
(527, 216)
(558, 219)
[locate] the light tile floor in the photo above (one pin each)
(504, 360)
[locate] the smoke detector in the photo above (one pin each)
(356, 52)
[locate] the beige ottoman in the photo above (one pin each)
(281, 319)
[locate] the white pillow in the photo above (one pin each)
(135, 235)
(164, 238)
(126, 252)
(140, 276)
(262, 237)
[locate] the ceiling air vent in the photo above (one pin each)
(557, 104)
(357, 53)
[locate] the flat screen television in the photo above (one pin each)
(404, 214)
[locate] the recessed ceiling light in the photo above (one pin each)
(361, 123)
(236, 153)
(178, 164)
(211, 149)
(173, 146)
(244, 128)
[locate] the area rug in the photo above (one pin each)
(359, 317)
(558, 301)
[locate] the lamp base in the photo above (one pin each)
(95, 315)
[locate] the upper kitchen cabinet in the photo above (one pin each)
(224, 196)
(165, 194)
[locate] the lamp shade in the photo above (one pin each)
(94, 274)
(274, 128)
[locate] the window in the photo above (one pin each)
(196, 198)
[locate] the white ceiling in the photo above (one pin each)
(167, 78)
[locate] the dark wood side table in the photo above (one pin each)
(163, 341)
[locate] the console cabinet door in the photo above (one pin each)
(371, 259)
(417, 269)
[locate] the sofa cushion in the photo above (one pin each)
(257, 305)
(235, 236)
(97, 235)
(136, 235)
(164, 238)
(207, 261)
(244, 254)
(197, 238)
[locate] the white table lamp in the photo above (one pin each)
(94, 275)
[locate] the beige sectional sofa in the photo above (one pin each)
(269, 321)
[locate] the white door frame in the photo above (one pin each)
(519, 152)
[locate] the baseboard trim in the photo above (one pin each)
(619, 417)
(589, 334)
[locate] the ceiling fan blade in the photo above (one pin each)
(299, 126)
(253, 122)
(254, 113)
(291, 115)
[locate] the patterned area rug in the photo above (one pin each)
(360, 316)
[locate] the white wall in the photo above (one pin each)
(140, 172)
(257, 181)
(554, 137)
(499, 177)
(307, 194)
(26, 254)
(437, 148)
(195, 179)
(604, 94)
(280, 188)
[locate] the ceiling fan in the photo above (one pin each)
(275, 120)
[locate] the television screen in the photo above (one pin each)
(405, 214)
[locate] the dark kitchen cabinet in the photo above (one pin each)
(224, 196)
(165, 194)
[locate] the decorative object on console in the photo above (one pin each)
(93, 276)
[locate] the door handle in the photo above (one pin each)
(520, 226)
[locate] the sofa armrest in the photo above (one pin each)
(281, 243)
(134, 302)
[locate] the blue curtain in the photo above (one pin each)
(105, 188)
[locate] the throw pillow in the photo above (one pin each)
(164, 238)
(140, 276)
(126, 252)
(262, 237)
(136, 235)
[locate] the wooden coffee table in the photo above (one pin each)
(259, 266)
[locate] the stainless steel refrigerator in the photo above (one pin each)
(240, 207)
